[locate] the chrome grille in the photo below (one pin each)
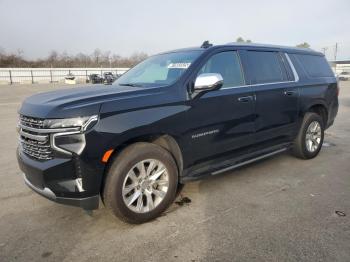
(34, 144)
(31, 122)
(36, 149)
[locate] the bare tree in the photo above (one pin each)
(55, 59)
(52, 59)
(97, 55)
(303, 45)
(241, 40)
(137, 58)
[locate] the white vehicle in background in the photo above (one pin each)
(344, 76)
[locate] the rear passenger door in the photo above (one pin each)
(276, 96)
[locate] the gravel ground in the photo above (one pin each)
(279, 209)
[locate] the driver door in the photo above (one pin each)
(222, 120)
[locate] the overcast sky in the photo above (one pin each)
(125, 27)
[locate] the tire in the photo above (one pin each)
(126, 169)
(301, 148)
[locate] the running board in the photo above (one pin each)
(249, 161)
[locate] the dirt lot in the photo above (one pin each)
(280, 209)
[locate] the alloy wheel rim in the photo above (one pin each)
(313, 136)
(145, 185)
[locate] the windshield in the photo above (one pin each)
(159, 70)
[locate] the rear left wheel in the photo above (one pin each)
(309, 141)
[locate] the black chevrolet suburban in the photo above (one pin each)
(176, 117)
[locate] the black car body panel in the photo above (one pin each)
(209, 131)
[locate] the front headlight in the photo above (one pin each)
(84, 123)
(72, 138)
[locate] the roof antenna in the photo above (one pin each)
(206, 44)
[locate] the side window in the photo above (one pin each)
(265, 67)
(228, 65)
(315, 66)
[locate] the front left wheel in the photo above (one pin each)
(141, 183)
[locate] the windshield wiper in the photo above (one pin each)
(130, 84)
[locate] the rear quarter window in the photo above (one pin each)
(315, 66)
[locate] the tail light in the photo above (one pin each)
(338, 89)
(337, 86)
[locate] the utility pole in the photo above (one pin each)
(335, 52)
(324, 49)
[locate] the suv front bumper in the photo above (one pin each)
(88, 203)
(57, 180)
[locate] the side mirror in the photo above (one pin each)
(210, 81)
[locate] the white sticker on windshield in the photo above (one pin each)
(179, 65)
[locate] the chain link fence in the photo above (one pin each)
(52, 75)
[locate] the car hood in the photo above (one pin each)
(79, 101)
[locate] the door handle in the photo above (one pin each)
(245, 99)
(289, 93)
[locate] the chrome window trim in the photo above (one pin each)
(262, 84)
